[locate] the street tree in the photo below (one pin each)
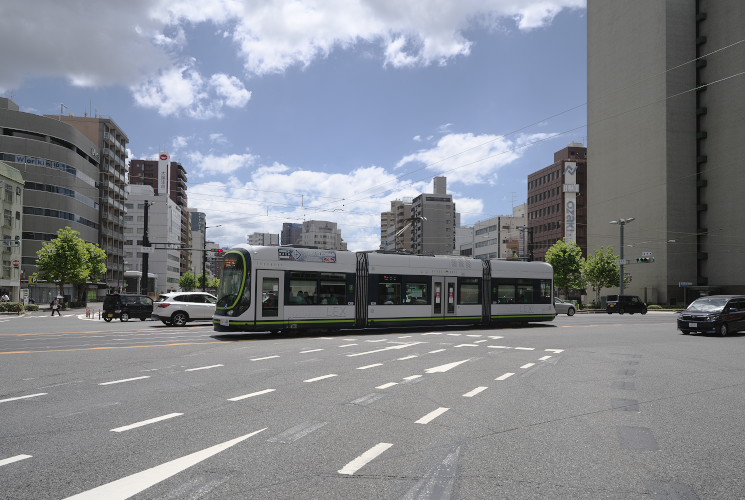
(601, 270)
(70, 260)
(188, 281)
(566, 259)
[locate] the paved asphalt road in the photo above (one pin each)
(587, 407)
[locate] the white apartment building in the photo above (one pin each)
(164, 233)
(322, 234)
(263, 239)
(500, 237)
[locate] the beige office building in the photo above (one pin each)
(665, 143)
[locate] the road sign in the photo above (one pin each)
(16, 263)
(32, 279)
(623, 262)
(683, 284)
(646, 254)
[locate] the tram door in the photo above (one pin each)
(443, 296)
(269, 295)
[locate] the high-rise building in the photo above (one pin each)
(322, 234)
(433, 231)
(395, 227)
(666, 149)
(145, 172)
(111, 142)
(164, 232)
(291, 233)
(198, 242)
(557, 206)
(500, 237)
(263, 239)
(60, 168)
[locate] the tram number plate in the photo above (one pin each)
(224, 322)
(692, 325)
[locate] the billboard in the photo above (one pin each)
(164, 163)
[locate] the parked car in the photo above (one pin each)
(563, 307)
(178, 308)
(625, 304)
(125, 306)
(720, 314)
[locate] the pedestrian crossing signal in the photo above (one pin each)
(645, 260)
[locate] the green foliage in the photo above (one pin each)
(201, 281)
(68, 259)
(566, 259)
(10, 307)
(214, 282)
(654, 306)
(188, 281)
(601, 270)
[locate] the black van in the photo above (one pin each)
(125, 306)
(625, 304)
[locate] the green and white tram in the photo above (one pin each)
(283, 288)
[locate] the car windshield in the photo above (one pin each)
(709, 304)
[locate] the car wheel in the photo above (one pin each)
(124, 317)
(723, 330)
(644, 311)
(570, 311)
(106, 319)
(685, 332)
(143, 318)
(620, 311)
(179, 318)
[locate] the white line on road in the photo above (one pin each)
(320, 378)
(124, 380)
(402, 346)
(16, 458)
(364, 459)
(431, 416)
(436, 350)
(146, 422)
(527, 365)
(467, 345)
(312, 350)
(544, 358)
(498, 347)
(265, 357)
(407, 357)
(412, 377)
(369, 366)
(23, 397)
(131, 485)
(444, 368)
(505, 376)
(386, 386)
(347, 345)
(203, 368)
(555, 351)
(525, 348)
(472, 393)
(246, 396)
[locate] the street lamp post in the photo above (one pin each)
(621, 223)
(204, 258)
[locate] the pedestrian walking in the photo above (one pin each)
(55, 307)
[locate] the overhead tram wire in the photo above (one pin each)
(553, 136)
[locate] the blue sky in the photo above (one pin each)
(284, 111)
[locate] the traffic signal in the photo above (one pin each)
(645, 260)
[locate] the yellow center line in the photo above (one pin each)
(95, 331)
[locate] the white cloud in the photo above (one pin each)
(472, 159)
(182, 89)
(202, 164)
(141, 43)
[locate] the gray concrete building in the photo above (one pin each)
(112, 143)
(60, 167)
(263, 239)
(665, 142)
(395, 227)
(11, 205)
(434, 232)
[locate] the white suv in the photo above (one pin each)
(176, 308)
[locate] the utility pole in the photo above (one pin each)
(145, 252)
(204, 258)
(621, 223)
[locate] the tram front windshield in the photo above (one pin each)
(235, 283)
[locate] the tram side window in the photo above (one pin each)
(545, 292)
(332, 291)
(302, 289)
(469, 291)
(524, 292)
(417, 293)
(503, 291)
